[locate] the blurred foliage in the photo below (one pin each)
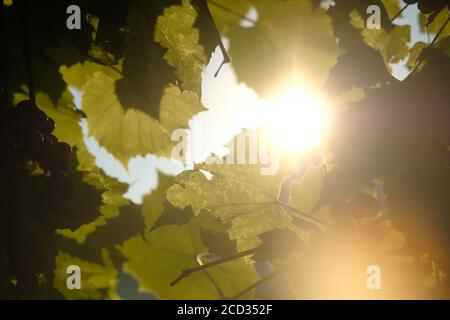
(138, 67)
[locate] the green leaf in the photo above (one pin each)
(392, 45)
(123, 133)
(97, 281)
(175, 32)
(177, 107)
(435, 25)
(64, 114)
(170, 250)
(172, 216)
(291, 43)
(415, 53)
(227, 13)
(218, 243)
(80, 234)
(131, 132)
(79, 74)
(392, 7)
(277, 244)
(305, 193)
(145, 71)
(237, 193)
(153, 204)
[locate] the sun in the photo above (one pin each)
(296, 119)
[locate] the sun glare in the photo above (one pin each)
(296, 119)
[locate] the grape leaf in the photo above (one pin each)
(123, 133)
(177, 107)
(436, 24)
(172, 216)
(392, 7)
(218, 243)
(393, 44)
(227, 13)
(98, 281)
(112, 125)
(64, 114)
(305, 193)
(235, 193)
(145, 71)
(414, 54)
(352, 69)
(291, 42)
(175, 32)
(170, 250)
(276, 244)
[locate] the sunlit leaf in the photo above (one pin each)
(292, 42)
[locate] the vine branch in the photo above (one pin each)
(200, 262)
(187, 272)
(399, 13)
(439, 32)
(419, 59)
(301, 215)
(264, 279)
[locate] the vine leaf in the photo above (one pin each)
(305, 193)
(171, 249)
(209, 35)
(393, 44)
(177, 107)
(235, 193)
(291, 42)
(173, 216)
(64, 114)
(218, 243)
(99, 281)
(145, 71)
(352, 69)
(123, 133)
(277, 244)
(228, 13)
(128, 132)
(175, 32)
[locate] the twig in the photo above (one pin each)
(187, 272)
(214, 283)
(419, 59)
(301, 215)
(439, 32)
(399, 13)
(264, 279)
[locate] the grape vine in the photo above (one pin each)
(374, 193)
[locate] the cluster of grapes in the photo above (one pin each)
(430, 6)
(30, 137)
(31, 207)
(30, 131)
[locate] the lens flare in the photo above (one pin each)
(296, 119)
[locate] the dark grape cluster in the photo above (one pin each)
(31, 138)
(429, 6)
(40, 193)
